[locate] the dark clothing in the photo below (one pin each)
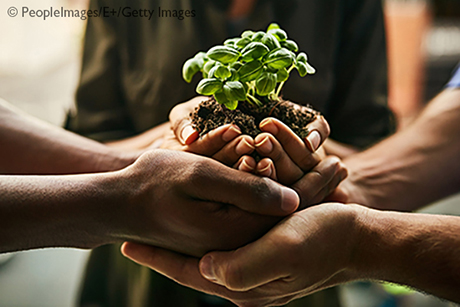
(131, 78)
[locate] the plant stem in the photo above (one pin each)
(255, 100)
(278, 91)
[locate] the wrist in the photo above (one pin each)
(383, 244)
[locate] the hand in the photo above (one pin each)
(193, 204)
(306, 252)
(288, 156)
(224, 144)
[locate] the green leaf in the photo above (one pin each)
(301, 68)
(278, 58)
(220, 97)
(234, 90)
(248, 34)
(310, 69)
(270, 41)
(213, 70)
(200, 55)
(250, 71)
(234, 76)
(231, 42)
(282, 75)
(223, 99)
(254, 51)
(273, 26)
(243, 42)
(209, 64)
(209, 86)
(231, 105)
(265, 84)
(290, 44)
(190, 68)
(223, 54)
(236, 65)
(222, 72)
(257, 37)
(281, 35)
(302, 57)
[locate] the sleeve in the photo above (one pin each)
(455, 81)
(358, 113)
(100, 105)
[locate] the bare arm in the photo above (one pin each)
(418, 250)
(31, 146)
(414, 167)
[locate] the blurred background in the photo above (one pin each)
(39, 68)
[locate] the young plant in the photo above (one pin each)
(248, 68)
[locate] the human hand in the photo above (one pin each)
(308, 251)
(288, 157)
(225, 143)
(193, 204)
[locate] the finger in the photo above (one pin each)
(295, 147)
(331, 186)
(232, 152)
(185, 132)
(319, 132)
(268, 146)
(185, 271)
(245, 268)
(180, 120)
(266, 168)
(180, 268)
(246, 164)
(243, 190)
(315, 181)
(214, 140)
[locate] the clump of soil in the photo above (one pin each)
(210, 115)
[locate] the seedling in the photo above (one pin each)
(252, 68)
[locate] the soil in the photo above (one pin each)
(210, 115)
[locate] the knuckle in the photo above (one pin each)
(263, 190)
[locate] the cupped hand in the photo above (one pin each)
(308, 251)
(192, 204)
(225, 143)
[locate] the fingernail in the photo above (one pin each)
(244, 166)
(268, 125)
(231, 133)
(290, 200)
(265, 169)
(207, 268)
(265, 146)
(243, 147)
(313, 140)
(187, 132)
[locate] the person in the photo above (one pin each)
(131, 79)
(404, 172)
(58, 189)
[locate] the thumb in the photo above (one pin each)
(245, 268)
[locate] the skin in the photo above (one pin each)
(402, 173)
(414, 249)
(41, 207)
(160, 197)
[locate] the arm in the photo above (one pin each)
(31, 146)
(162, 199)
(413, 167)
(417, 250)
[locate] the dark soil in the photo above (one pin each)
(210, 115)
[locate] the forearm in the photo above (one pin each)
(59, 211)
(143, 140)
(417, 250)
(30, 146)
(413, 167)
